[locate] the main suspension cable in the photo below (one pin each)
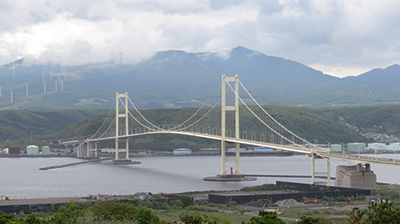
(258, 118)
(272, 118)
(109, 112)
(205, 102)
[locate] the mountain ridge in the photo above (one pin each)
(177, 78)
(389, 76)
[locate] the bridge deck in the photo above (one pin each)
(321, 152)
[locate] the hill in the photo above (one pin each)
(174, 79)
(317, 125)
(30, 125)
(304, 122)
(382, 123)
(389, 76)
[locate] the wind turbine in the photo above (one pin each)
(62, 85)
(44, 88)
(11, 93)
(0, 91)
(27, 89)
(13, 69)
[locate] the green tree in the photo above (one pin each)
(197, 218)
(113, 211)
(176, 203)
(144, 216)
(52, 209)
(67, 215)
(5, 219)
(116, 211)
(385, 212)
(265, 217)
(312, 220)
(32, 219)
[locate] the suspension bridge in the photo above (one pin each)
(226, 116)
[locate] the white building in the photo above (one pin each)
(177, 152)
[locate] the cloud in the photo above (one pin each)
(108, 29)
(334, 35)
(76, 41)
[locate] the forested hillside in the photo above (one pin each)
(304, 122)
(30, 125)
(317, 125)
(371, 120)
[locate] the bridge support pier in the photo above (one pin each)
(90, 150)
(75, 149)
(314, 173)
(81, 150)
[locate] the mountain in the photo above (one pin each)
(389, 76)
(172, 79)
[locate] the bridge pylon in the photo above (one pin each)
(119, 136)
(224, 109)
(233, 176)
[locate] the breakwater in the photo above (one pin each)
(74, 164)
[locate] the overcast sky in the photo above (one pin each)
(339, 37)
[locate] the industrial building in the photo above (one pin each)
(263, 149)
(356, 147)
(177, 152)
(32, 150)
(46, 150)
(210, 151)
(336, 148)
(378, 146)
(234, 150)
(13, 150)
(297, 191)
(384, 147)
(394, 147)
(363, 147)
(358, 176)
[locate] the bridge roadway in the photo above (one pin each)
(319, 152)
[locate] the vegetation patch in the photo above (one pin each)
(264, 187)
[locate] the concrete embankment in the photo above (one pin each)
(287, 176)
(74, 164)
(35, 156)
(253, 177)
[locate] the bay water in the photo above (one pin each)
(21, 177)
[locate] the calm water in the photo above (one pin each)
(21, 177)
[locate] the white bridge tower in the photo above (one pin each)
(120, 136)
(224, 109)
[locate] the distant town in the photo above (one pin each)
(353, 148)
